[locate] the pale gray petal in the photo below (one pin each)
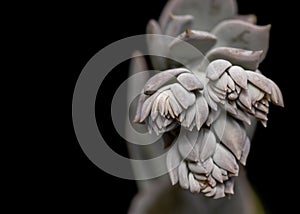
(224, 159)
(187, 148)
(194, 184)
(147, 106)
(183, 175)
(229, 187)
(209, 101)
(159, 122)
(208, 145)
(190, 81)
(247, 59)
(262, 107)
(154, 109)
(261, 115)
(245, 152)
(255, 94)
(230, 107)
(244, 97)
(213, 115)
(233, 95)
(173, 160)
(178, 24)
(216, 68)
(197, 168)
(201, 111)
(158, 80)
(243, 116)
(208, 165)
(156, 45)
(177, 109)
(184, 97)
(212, 94)
(220, 93)
(220, 191)
(162, 103)
(233, 135)
(259, 81)
(264, 123)
(239, 75)
(231, 84)
(222, 82)
(211, 181)
(276, 96)
(141, 101)
(200, 177)
(169, 110)
(238, 89)
(216, 173)
(212, 192)
(240, 34)
(189, 117)
(208, 189)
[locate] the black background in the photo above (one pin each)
(80, 30)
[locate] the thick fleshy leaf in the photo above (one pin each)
(212, 94)
(158, 80)
(259, 81)
(209, 101)
(240, 115)
(245, 99)
(208, 145)
(230, 107)
(184, 97)
(183, 175)
(217, 174)
(247, 59)
(138, 114)
(239, 75)
(200, 177)
(211, 181)
(147, 106)
(222, 83)
(178, 24)
(173, 161)
(201, 111)
(245, 152)
(216, 68)
(156, 45)
(212, 191)
(176, 108)
(208, 165)
(229, 187)
(189, 116)
(224, 159)
(192, 45)
(194, 185)
(190, 81)
(244, 35)
(220, 191)
(207, 13)
(187, 147)
(255, 94)
(197, 168)
(232, 135)
(276, 96)
(230, 84)
(212, 116)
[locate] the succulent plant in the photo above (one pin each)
(207, 105)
